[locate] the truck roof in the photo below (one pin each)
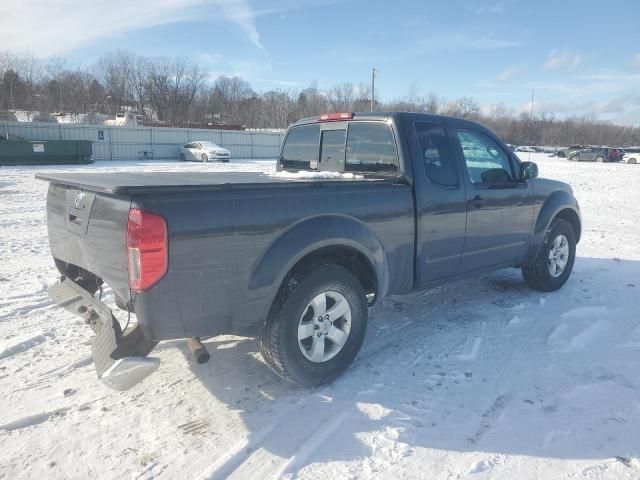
(129, 183)
(379, 116)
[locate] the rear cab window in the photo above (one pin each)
(371, 147)
(437, 154)
(354, 146)
(301, 147)
(332, 146)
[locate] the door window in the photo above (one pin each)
(437, 154)
(486, 161)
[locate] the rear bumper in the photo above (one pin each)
(120, 358)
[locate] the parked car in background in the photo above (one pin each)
(632, 155)
(567, 151)
(203, 152)
(525, 149)
(595, 154)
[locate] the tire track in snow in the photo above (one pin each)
(31, 420)
(24, 345)
(489, 417)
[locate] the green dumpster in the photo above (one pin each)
(45, 152)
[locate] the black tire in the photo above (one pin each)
(537, 274)
(573, 158)
(279, 338)
(182, 157)
(204, 158)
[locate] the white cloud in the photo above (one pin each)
(486, 8)
(562, 59)
(53, 27)
(509, 73)
(239, 12)
(623, 109)
(210, 57)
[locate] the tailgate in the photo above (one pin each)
(88, 229)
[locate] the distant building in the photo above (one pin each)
(124, 119)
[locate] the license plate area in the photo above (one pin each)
(96, 314)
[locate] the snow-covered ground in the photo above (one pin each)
(478, 379)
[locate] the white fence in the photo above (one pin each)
(125, 143)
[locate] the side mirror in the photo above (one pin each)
(528, 170)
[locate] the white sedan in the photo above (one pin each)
(203, 152)
(631, 155)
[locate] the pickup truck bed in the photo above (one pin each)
(224, 230)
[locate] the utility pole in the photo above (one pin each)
(373, 86)
(531, 129)
(531, 107)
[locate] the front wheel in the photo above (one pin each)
(552, 267)
(315, 330)
(600, 159)
(204, 158)
(573, 158)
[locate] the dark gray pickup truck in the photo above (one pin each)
(361, 206)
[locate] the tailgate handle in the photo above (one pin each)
(75, 219)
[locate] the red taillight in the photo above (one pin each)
(336, 116)
(146, 249)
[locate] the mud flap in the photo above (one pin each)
(118, 358)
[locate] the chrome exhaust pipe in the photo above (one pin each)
(198, 350)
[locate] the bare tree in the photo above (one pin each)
(115, 72)
(172, 88)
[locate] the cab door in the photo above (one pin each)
(499, 205)
(440, 201)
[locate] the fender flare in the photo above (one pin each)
(310, 235)
(555, 203)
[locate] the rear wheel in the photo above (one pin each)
(315, 330)
(182, 157)
(600, 159)
(632, 160)
(573, 158)
(552, 267)
(204, 158)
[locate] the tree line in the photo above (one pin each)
(178, 92)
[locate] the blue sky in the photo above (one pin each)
(578, 56)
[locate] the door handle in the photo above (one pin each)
(476, 201)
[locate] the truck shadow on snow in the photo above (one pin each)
(485, 365)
